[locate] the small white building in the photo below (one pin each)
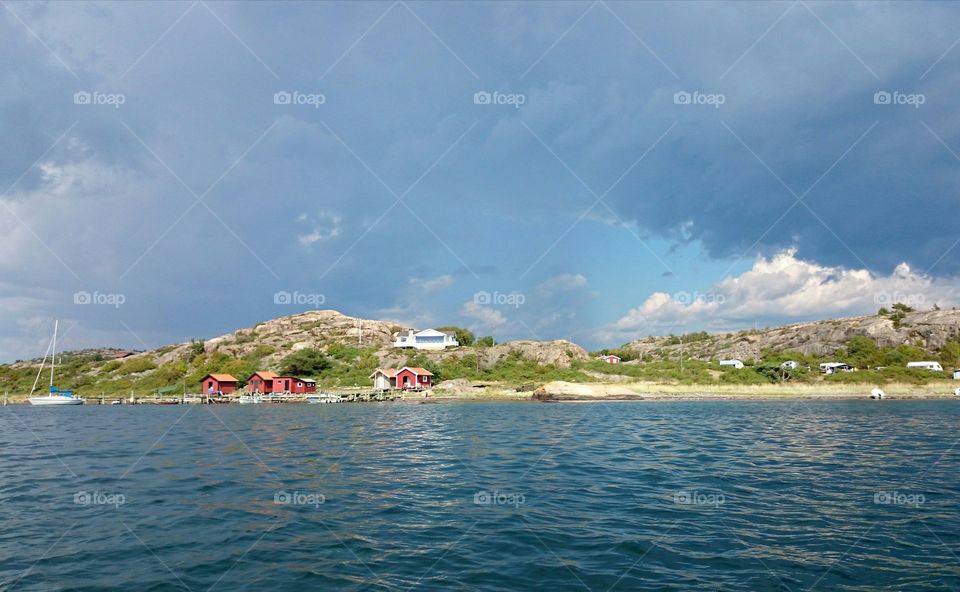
(956, 374)
(834, 367)
(931, 366)
(791, 364)
(384, 379)
(734, 363)
(427, 339)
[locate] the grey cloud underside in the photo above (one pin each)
(487, 197)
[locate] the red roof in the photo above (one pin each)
(264, 375)
(220, 378)
(418, 371)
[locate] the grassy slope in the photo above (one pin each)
(91, 375)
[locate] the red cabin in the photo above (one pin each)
(213, 384)
(267, 383)
(294, 385)
(261, 382)
(413, 378)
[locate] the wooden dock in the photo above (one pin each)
(345, 397)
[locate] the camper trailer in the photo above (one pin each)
(734, 363)
(931, 366)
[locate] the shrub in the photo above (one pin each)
(464, 336)
(136, 365)
(305, 362)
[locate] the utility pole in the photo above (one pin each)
(681, 354)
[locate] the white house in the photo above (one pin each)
(932, 366)
(791, 364)
(427, 339)
(832, 367)
(735, 363)
(384, 379)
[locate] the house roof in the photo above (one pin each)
(388, 372)
(220, 377)
(417, 370)
(265, 375)
(430, 332)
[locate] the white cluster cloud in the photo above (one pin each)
(564, 282)
(324, 226)
(485, 317)
(787, 288)
(432, 285)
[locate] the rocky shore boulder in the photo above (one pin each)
(559, 352)
(559, 390)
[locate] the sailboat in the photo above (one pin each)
(55, 396)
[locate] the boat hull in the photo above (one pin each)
(48, 400)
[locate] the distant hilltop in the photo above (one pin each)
(338, 350)
(270, 341)
(319, 329)
(928, 330)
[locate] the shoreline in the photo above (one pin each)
(567, 392)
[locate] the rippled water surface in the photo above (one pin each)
(482, 496)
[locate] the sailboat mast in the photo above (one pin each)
(53, 360)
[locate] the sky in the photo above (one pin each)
(593, 171)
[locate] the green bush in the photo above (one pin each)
(306, 362)
(136, 365)
(464, 336)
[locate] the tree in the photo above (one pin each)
(464, 336)
(305, 362)
(862, 351)
(196, 347)
(950, 354)
(485, 341)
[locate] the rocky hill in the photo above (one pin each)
(929, 330)
(314, 329)
(321, 328)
